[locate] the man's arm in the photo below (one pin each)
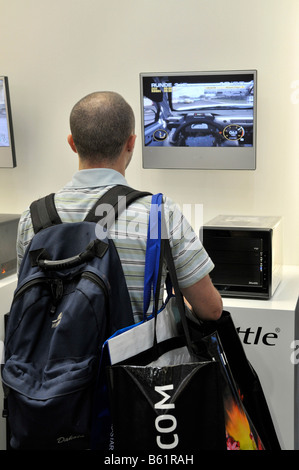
(204, 299)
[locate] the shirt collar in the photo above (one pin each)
(96, 177)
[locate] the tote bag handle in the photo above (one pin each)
(153, 252)
(159, 250)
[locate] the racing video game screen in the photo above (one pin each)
(202, 112)
(7, 150)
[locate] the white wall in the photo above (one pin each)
(56, 51)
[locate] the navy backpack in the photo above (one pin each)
(71, 296)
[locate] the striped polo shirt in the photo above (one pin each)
(129, 232)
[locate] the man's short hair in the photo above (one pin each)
(101, 123)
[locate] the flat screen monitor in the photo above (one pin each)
(7, 145)
(199, 120)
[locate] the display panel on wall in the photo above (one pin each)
(7, 145)
(199, 120)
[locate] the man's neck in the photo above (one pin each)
(83, 165)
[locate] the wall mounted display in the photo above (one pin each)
(199, 120)
(7, 145)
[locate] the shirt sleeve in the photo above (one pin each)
(25, 234)
(191, 260)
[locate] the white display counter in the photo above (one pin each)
(268, 330)
(7, 287)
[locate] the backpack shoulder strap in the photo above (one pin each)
(44, 213)
(113, 202)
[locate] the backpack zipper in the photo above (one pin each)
(96, 280)
(29, 284)
(56, 286)
(57, 293)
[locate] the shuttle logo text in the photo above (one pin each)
(257, 336)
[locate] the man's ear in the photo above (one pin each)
(71, 143)
(131, 142)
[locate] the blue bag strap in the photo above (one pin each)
(153, 249)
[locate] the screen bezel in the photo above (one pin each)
(7, 154)
(209, 158)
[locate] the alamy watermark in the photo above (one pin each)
(179, 222)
